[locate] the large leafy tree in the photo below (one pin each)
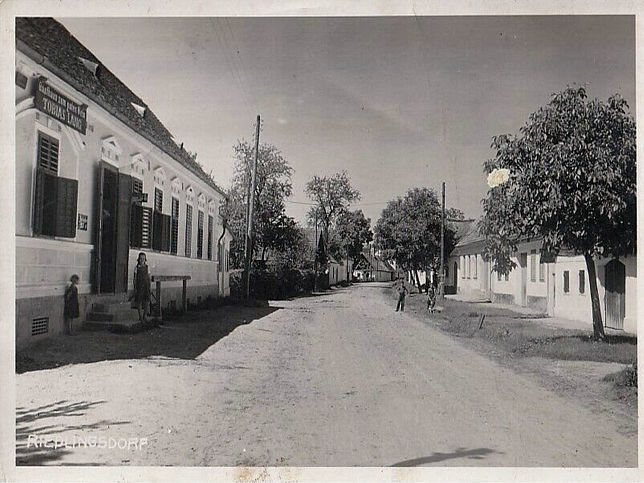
(409, 230)
(352, 230)
(273, 185)
(331, 195)
(570, 182)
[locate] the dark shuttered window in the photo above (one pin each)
(174, 226)
(136, 214)
(188, 230)
(566, 281)
(160, 232)
(210, 228)
(200, 234)
(56, 198)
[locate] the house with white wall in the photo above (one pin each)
(98, 180)
(558, 286)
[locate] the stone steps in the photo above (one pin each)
(114, 313)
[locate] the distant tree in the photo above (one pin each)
(408, 231)
(568, 179)
(352, 230)
(273, 186)
(331, 195)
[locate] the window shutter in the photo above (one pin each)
(136, 219)
(45, 201)
(210, 223)
(175, 226)
(66, 203)
(165, 232)
(146, 227)
(157, 230)
(39, 202)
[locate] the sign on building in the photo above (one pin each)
(52, 102)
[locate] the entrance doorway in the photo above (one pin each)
(523, 265)
(113, 230)
(615, 300)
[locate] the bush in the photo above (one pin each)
(274, 283)
(624, 378)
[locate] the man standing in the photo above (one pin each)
(401, 289)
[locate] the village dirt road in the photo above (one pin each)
(332, 380)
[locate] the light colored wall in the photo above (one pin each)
(576, 306)
(44, 264)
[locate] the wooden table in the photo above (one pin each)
(157, 279)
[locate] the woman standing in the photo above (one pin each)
(142, 287)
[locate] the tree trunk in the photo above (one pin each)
(417, 281)
(598, 324)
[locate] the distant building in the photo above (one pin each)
(98, 180)
(370, 268)
(559, 288)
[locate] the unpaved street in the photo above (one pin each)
(332, 380)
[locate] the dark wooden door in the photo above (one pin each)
(124, 206)
(455, 275)
(105, 241)
(615, 300)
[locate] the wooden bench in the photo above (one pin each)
(157, 279)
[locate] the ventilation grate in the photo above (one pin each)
(40, 325)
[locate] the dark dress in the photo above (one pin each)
(141, 284)
(71, 302)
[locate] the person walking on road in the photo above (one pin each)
(431, 298)
(401, 289)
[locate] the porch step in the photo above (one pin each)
(113, 315)
(114, 326)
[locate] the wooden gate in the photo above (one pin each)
(615, 300)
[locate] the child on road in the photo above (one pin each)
(431, 298)
(401, 289)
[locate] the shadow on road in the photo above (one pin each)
(40, 432)
(183, 337)
(473, 454)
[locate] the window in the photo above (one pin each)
(533, 265)
(476, 267)
(161, 225)
(462, 266)
(188, 230)
(140, 218)
(582, 282)
(542, 271)
(56, 198)
(210, 228)
(200, 234)
(174, 235)
(48, 153)
(566, 281)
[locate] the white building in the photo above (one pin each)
(559, 288)
(99, 179)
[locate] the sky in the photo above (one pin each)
(397, 102)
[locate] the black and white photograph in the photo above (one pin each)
(393, 241)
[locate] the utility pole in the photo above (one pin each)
(315, 255)
(441, 276)
(249, 214)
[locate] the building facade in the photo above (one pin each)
(98, 180)
(558, 287)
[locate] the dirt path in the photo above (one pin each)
(334, 380)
